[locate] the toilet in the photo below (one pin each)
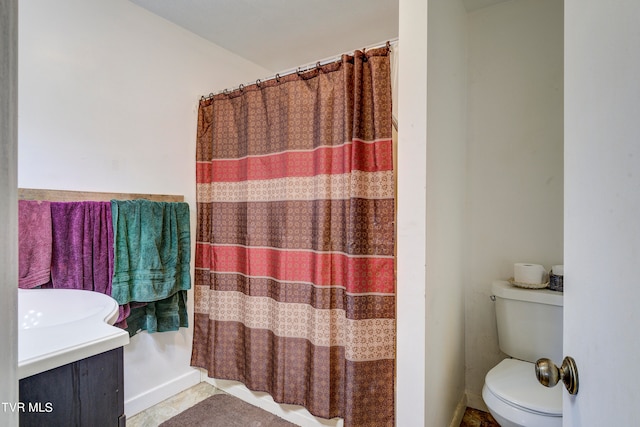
(529, 328)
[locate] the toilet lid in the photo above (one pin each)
(515, 382)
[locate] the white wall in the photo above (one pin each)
(515, 160)
(108, 102)
(446, 190)
(431, 190)
(8, 210)
(412, 211)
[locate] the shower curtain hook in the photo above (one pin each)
(278, 78)
(364, 55)
(241, 87)
(258, 83)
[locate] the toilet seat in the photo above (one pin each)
(514, 382)
(516, 398)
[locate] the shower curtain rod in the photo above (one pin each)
(390, 43)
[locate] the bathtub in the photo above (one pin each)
(61, 326)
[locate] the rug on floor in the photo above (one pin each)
(223, 410)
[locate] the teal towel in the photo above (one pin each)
(169, 314)
(152, 250)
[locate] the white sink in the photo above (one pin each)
(40, 308)
(60, 326)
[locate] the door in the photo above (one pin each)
(602, 210)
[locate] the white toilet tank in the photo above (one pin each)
(529, 322)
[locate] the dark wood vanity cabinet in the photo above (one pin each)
(86, 393)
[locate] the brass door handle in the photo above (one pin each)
(549, 374)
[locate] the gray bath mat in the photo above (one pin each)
(222, 410)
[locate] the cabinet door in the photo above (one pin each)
(86, 393)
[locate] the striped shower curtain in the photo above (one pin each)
(295, 283)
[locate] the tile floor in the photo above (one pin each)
(161, 412)
(476, 418)
(166, 409)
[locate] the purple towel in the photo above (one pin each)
(125, 311)
(82, 255)
(34, 243)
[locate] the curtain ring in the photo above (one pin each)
(226, 92)
(318, 65)
(388, 46)
(278, 78)
(258, 83)
(298, 71)
(241, 87)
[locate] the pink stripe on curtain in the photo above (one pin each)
(324, 160)
(355, 274)
(295, 283)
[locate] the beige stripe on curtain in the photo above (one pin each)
(295, 280)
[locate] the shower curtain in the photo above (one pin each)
(295, 281)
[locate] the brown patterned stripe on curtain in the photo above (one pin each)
(295, 284)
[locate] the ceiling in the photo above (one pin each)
(281, 35)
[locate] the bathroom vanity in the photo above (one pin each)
(88, 392)
(70, 359)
